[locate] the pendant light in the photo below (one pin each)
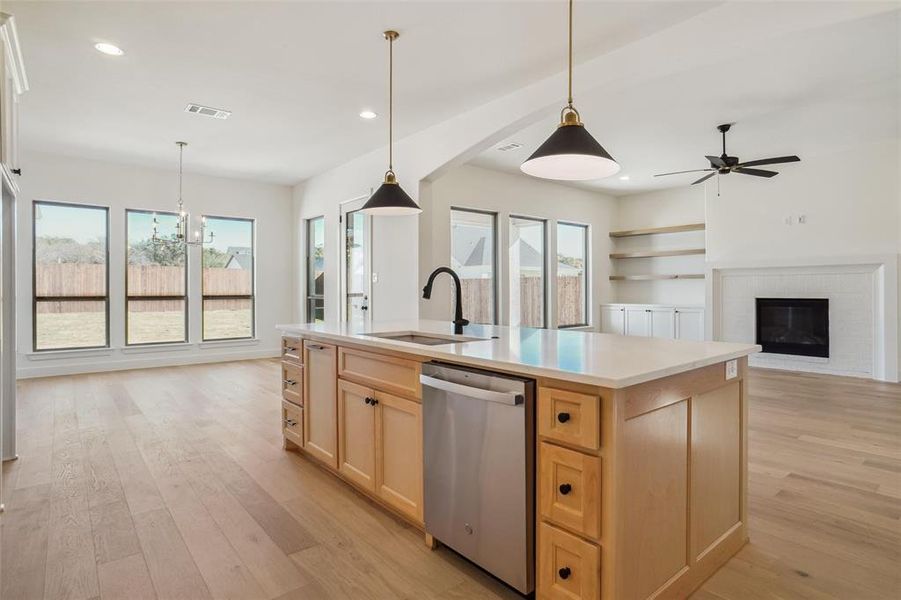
(390, 199)
(181, 237)
(570, 154)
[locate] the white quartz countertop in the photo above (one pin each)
(603, 359)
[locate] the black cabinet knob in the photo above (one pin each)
(373, 401)
(564, 573)
(367, 400)
(565, 488)
(563, 417)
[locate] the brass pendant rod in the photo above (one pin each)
(391, 39)
(570, 98)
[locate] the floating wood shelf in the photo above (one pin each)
(658, 253)
(655, 277)
(653, 230)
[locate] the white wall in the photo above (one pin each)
(506, 194)
(66, 179)
(850, 200)
(675, 206)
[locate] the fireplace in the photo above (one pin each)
(798, 326)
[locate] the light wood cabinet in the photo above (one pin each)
(292, 423)
(569, 417)
(569, 489)
(292, 350)
(320, 402)
(356, 434)
(569, 568)
(395, 375)
(399, 453)
(292, 383)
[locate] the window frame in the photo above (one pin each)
(35, 299)
(129, 298)
(253, 284)
(495, 266)
(545, 313)
(586, 308)
(311, 297)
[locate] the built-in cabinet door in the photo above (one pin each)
(356, 433)
(320, 402)
(638, 321)
(399, 453)
(613, 319)
(690, 324)
(662, 322)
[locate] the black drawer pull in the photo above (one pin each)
(565, 488)
(564, 573)
(563, 417)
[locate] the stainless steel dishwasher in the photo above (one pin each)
(478, 457)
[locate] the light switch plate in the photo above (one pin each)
(731, 369)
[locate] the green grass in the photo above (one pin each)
(87, 329)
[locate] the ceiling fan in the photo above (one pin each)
(726, 164)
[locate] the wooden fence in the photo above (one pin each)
(72, 279)
(570, 302)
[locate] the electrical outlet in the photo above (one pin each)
(731, 369)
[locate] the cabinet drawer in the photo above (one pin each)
(292, 350)
(388, 373)
(292, 383)
(569, 417)
(568, 568)
(292, 423)
(569, 492)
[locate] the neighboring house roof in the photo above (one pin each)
(239, 258)
(472, 256)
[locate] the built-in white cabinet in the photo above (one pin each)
(613, 319)
(654, 320)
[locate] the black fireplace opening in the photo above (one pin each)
(798, 326)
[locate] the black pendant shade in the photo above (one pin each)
(570, 154)
(390, 200)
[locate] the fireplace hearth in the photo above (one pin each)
(798, 326)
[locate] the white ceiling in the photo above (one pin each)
(295, 74)
(806, 94)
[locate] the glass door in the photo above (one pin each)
(357, 259)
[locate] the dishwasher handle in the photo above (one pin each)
(510, 398)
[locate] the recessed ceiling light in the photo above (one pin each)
(624, 178)
(367, 114)
(110, 49)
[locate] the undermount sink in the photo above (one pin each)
(423, 339)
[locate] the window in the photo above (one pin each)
(70, 276)
(316, 270)
(228, 280)
(473, 235)
(155, 282)
(572, 280)
(527, 272)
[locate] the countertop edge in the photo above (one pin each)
(514, 367)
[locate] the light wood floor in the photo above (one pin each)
(172, 484)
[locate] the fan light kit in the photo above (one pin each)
(390, 199)
(181, 237)
(725, 164)
(570, 153)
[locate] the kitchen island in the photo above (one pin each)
(640, 452)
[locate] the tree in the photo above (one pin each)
(214, 258)
(146, 252)
(50, 249)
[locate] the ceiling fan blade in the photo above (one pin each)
(769, 161)
(704, 178)
(680, 172)
(716, 161)
(754, 172)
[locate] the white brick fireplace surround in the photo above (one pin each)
(863, 310)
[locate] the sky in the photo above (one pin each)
(76, 222)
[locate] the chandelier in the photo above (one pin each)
(181, 236)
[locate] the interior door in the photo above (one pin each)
(356, 276)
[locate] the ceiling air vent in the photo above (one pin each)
(208, 111)
(508, 147)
